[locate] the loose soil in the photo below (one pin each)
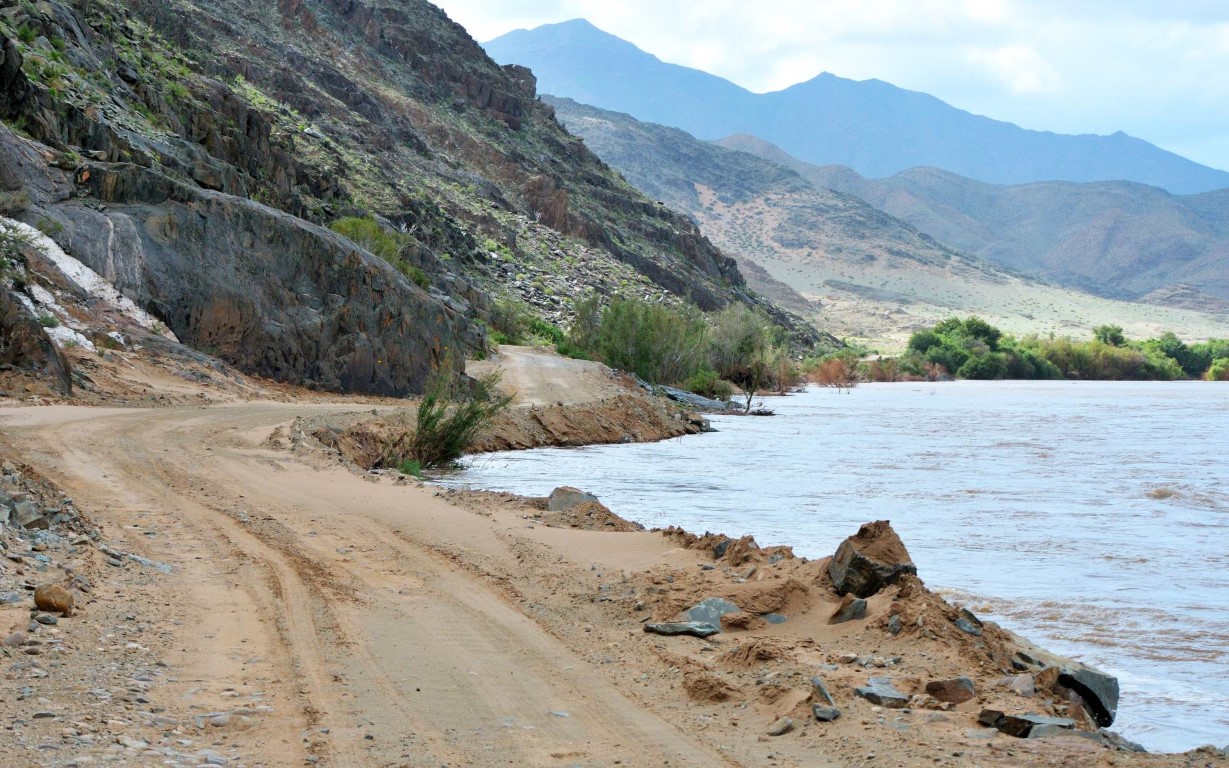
(286, 608)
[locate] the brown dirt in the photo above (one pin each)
(312, 612)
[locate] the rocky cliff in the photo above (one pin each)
(196, 155)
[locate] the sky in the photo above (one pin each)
(1157, 70)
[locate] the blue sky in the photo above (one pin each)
(1157, 70)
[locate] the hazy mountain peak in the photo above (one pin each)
(872, 126)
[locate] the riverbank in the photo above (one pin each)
(259, 602)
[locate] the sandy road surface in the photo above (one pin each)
(351, 606)
(541, 377)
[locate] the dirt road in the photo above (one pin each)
(362, 612)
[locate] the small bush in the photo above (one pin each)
(411, 467)
(14, 202)
(48, 320)
(449, 418)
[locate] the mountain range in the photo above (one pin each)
(1112, 238)
(862, 272)
(871, 126)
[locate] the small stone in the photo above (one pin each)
(781, 727)
(694, 628)
(14, 640)
(956, 690)
(894, 625)
(220, 721)
(47, 618)
(881, 691)
(825, 714)
(711, 610)
(43, 715)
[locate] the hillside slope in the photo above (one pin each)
(195, 157)
(1115, 239)
(873, 276)
(871, 126)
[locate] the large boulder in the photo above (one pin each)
(565, 498)
(869, 560)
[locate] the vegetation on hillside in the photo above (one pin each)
(973, 349)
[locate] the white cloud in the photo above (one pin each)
(1017, 66)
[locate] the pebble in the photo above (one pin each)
(15, 639)
(781, 727)
(218, 721)
(47, 618)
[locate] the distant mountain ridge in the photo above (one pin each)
(871, 126)
(866, 274)
(1113, 238)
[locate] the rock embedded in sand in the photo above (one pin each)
(1021, 726)
(851, 609)
(693, 628)
(53, 598)
(956, 690)
(781, 727)
(825, 714)
(710, 610)
(881, 691)
(566, 497)
(870, 560)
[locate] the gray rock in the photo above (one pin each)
(694, 628)
(1021, 726)
(1098, 690)
(14, 640)
(849, 610)
(47, 618)
(566, 497)
(781, 727)
(711, 610)
(881, 691)
(968, 623)
(697, 402)
(821, 692)
(855, 572)
(825, 714)
(894, 625)
(774, 618)
(956, 690)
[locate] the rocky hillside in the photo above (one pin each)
(866, 274)
(196, 156)
(1115, 239)
(872, 126)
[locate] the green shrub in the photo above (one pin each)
(48, 320)
(449, 418)
(1218, 370)
(410, 467)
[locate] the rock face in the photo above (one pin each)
(25, 347)
(869, 560)
(269, 293)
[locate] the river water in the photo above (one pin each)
(1092, 518)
